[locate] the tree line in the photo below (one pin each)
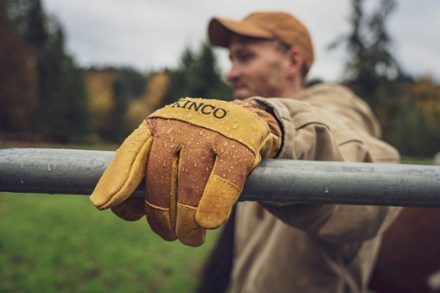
(46, 95)
(408, 107)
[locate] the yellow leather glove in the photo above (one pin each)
(196, 155)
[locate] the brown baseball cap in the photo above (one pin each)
(266, 25)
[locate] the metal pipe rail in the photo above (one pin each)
(63, 171)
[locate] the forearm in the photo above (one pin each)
(311, 135)
(340, 224)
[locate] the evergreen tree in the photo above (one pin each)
(128, 85)
(370, 62)
(373, 72)
(197, 76)
(178, 77)
(76, 109)
(203, 79)
(134, 82)
(62, 113)
(18, 84)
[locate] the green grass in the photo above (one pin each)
(61, 243)
(417, 161)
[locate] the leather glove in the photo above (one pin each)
(196, 155)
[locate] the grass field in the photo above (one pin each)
(61, 243)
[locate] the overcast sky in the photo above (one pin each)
(151, 34)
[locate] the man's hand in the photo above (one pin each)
(196, 155)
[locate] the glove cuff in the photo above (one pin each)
(271, 122)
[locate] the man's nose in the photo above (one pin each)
(233, 73)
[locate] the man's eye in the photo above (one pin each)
(244, 57)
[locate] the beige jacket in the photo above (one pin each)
(314, 248)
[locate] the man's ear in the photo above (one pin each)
(296, 62)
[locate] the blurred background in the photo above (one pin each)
(83, 74)
(80, 72)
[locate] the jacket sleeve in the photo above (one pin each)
(312, 134)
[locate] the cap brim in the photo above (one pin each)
(220, 31)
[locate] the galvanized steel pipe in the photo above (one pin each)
(66, 171)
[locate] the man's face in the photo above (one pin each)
(259, 68)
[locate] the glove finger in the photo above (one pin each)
(232, 166)
(126, 170)
(132, 209)
(195, 165)
(161, 186)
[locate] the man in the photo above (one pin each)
(197, 154)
